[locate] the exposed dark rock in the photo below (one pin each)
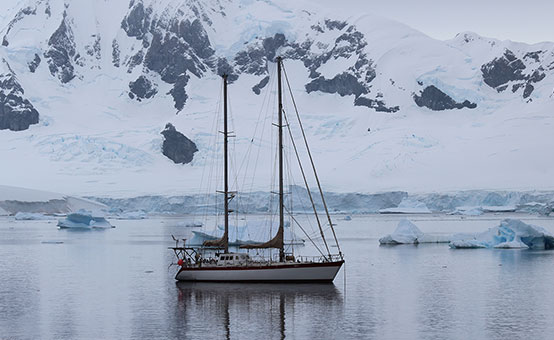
(259, 86)
(335, 25)
(434, 99)
(252, 61)
(528, 90)
(317, 28)
(137, 22)
(272, 44)
(500, 71)
(194, 34)
(223, 67)
(537, 76)
(61, 53)
(33, 64)
(377, 105)
(516, 87)
(135, 60)
(16, 112)
(533, 55)
(177, 146)
(169, 57)
(344, 84)
(178, 91)
(142, 88)
(94, 50)
(116, 54)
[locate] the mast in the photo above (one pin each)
(280, 233)
(223, 242)
(226, 165)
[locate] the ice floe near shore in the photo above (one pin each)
(83, 220)
(510, 234)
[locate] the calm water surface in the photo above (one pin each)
(116, 284)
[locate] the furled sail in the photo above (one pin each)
(219, 243)
(275, 242)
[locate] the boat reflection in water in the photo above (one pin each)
(255, 311)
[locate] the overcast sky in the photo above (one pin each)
(529, 21)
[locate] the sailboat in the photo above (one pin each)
(213, 261)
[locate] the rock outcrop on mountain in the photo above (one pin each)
(177, 146)
(16, 112)
(510, 70)
(436, 100)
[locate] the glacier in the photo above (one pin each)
(510, 234)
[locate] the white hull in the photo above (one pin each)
(314, 272)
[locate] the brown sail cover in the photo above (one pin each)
(220, 243)
(275, 242)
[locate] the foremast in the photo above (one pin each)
(223, 242)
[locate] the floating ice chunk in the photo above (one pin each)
(510, 233)
(406, 233)
(348, 218)
(84, 220)
(24, 216)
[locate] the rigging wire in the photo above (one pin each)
(312, 163)
(307, 186)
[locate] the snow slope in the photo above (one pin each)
(94, 139)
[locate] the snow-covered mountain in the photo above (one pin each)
(385, 106)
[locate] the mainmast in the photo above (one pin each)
(226, 165)
(280, 233)
(278, 241)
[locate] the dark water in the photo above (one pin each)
(115, 284)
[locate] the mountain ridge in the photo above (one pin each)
(143, 58)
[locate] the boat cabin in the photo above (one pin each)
(232, 259)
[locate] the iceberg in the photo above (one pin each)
(406, 233)
(83, 220)
(510, 234)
